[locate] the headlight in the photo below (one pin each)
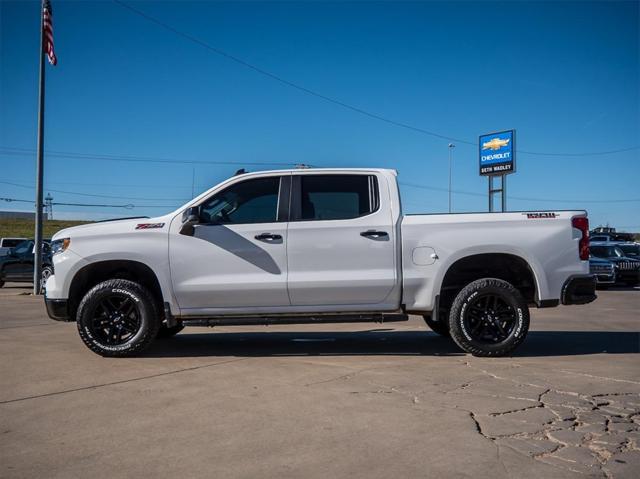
(59, 245)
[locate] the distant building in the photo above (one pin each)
(17, 215)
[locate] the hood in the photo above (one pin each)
(120, 225)
(596, 260)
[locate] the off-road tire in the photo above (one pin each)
(148, 318)
(439, 327)
(165, 332)
(462, 306)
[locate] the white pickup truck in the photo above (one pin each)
(314, 246)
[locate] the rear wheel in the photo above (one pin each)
(438, 327)
(117, 318)
(489, 317)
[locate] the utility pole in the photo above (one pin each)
(37, 269)
(451, 147)
(48, 206)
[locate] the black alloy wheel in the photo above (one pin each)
(118, 318)
(489, 317)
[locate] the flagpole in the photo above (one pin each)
(37, 269)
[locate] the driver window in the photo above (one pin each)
(251, 201)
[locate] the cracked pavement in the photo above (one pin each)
(371, 400)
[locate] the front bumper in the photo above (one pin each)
(625, 276)
(580, 289)
(58, 309)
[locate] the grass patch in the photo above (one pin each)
(20, 228)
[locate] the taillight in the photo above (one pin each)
(582, 223)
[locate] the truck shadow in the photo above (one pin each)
(382, 342)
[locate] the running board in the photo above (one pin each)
(301, 319)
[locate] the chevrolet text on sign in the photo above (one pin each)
(497, 153)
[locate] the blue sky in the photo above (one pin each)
(566, 76)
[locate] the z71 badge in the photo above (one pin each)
(535, 216)
(149, 226)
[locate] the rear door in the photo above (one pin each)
(341, 242)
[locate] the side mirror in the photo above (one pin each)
(190, 218)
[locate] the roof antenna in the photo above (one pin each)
(241, 171)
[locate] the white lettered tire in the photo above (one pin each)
(489, 317)
(118, 318)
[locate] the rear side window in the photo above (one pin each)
(336, 197)
(11, 242)
(251, 201)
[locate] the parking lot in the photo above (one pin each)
(371, 400)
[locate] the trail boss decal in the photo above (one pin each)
(537, 216)
(149, 226)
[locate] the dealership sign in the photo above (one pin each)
(497, 153)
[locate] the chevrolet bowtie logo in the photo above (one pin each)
(495, 144)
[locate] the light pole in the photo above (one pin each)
(451, 147)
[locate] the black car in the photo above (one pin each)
(627, 269)
(17, 264)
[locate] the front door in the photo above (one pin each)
(341, 243)
(236, 256)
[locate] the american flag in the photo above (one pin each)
(47, 25)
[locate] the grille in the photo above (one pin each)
(628, 265)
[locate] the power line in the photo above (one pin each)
(553, 200)
(8, 150)
(55, 203)
(98, 196)
(335, 101)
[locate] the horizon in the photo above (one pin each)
(137, 114)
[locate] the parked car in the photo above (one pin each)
(316, 246)
(627, 269)
(603, 270)
(17, 264)
(7, 243)
(631, 250)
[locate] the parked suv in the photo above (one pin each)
(17, 264)
(627, 269)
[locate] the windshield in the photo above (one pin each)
(24, 247)
(607, 251)
(630, 249)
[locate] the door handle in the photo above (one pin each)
(267, 237)
(374, 234)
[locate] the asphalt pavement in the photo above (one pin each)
(366, 400)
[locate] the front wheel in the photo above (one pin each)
(489, 317)
(118, 318)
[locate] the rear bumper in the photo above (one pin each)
(579, 289)
(58, 309)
